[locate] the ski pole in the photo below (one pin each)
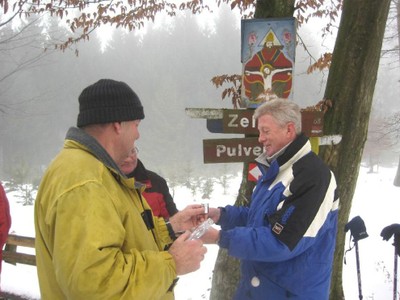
(358, 271)
(395, 275)
(386, 234)
(358, 232)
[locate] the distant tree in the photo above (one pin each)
(390, 128)
(190, 181)
(173, 182)
(392, 39)
(223, 180)
(19, 51)
(84, 17)
(23, 181)
(207, 187)
(381, 143)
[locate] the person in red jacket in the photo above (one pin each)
(5, 220)
(157, 192)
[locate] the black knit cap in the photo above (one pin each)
(108, 101)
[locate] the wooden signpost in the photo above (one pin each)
(241, 121)
(231, 150)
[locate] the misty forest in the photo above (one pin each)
(170, 64)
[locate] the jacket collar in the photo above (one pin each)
(296, 149)
(94, 147)
(140, 172)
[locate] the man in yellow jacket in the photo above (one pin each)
(96, 237)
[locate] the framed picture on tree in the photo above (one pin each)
(268, 57)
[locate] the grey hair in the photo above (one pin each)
(283, 110)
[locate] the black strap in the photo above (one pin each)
(170, 230)
(174, 282)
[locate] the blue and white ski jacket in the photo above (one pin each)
(285, 240)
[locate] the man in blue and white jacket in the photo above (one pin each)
(285, 239)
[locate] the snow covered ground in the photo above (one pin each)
(376, 201)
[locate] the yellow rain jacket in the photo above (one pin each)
(91, 240)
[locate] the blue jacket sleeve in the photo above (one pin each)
(233, 216)
(304, 214)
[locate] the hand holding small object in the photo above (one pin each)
(214, 214)
(186, 219)
(206, 233)
(201, 229)
(187, 254)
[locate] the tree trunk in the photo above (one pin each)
(398, 23)
(350, 87)
(226, 270)
(274, 9)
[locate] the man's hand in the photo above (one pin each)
(187, 254)
(211, 236)
(192, 216)
(214, 214)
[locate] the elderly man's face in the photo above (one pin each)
(273, 136)
(130, 163)
(129, 133)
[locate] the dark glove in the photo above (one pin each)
(357, 228)
(390, 230)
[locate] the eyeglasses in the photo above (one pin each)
(135, 150)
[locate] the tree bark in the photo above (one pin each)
(350, 87)
(274, 9)
(397, 3)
